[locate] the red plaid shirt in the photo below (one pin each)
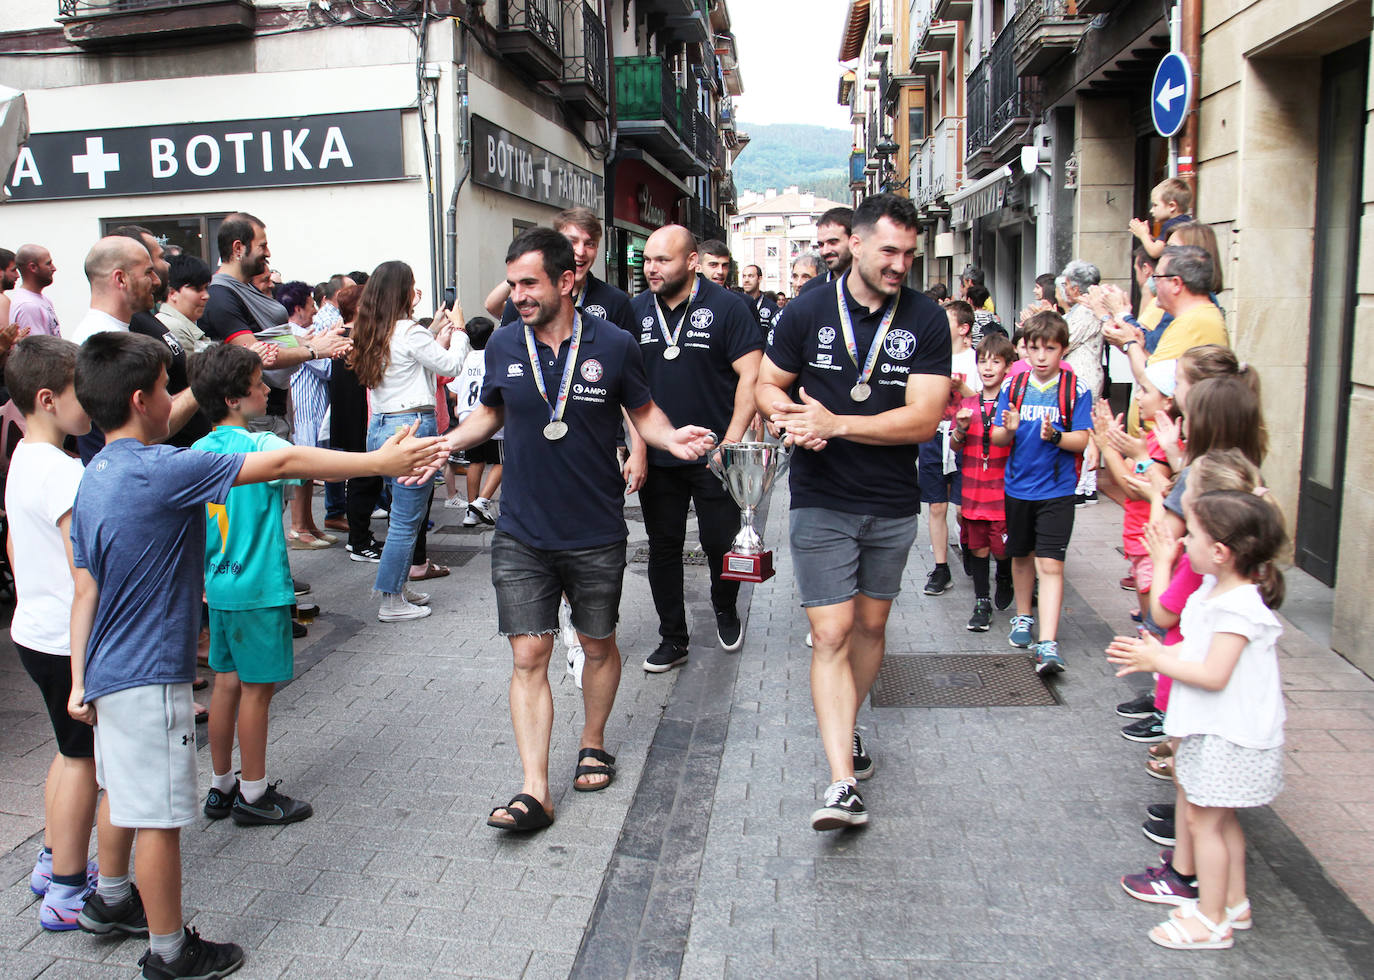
(983, 494)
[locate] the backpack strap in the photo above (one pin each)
(1068, 394)
(1017, 395)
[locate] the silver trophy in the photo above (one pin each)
(749, 470)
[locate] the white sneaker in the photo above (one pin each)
(414, 596)
(379, 513)
(481, 509)
(455, 503)
(396, 609)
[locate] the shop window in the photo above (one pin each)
(194, 234)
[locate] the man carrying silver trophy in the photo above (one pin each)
(856, 375)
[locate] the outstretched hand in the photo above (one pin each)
(1134, 654)
(414, 459)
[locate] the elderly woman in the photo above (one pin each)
(1084, 355)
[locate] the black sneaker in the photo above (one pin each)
(301, 588)
(218, 803)
(298, 630)
(1141, 707)
(1005, 594)
(1160, 831)
(199, 958)
(844, 807)
(126, 917)
(982, 616)
(1147, 729)
(665, 658)
(863, 762)
(272, 808)
(939, 581)
(368, 552)
(728, 630)
(1160, 811)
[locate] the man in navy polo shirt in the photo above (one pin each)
(764, 307)
(582, 229)
(556, 379)
(832, 240)
(871, 362)
(701, 348)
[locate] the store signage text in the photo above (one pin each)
(325, 149)
(506, 162)
(650, 214)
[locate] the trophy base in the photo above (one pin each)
(747, 568)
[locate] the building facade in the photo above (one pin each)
(772, 228)
(430, 131)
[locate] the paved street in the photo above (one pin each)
(997, 836)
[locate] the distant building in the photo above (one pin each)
(771, 229)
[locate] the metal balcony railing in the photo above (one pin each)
(84, 8)
(976, 101)
(587, 63)
(645, 89)
(541, 18)
(997, 95)
(707, 140)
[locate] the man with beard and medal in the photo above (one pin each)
(557, 379)
(702, 349)
(869, 360)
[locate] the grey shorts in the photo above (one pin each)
(836, 555)
(530, 581)
(145, 755)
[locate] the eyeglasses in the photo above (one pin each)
(1164, 275)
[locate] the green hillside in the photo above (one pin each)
(812, 157)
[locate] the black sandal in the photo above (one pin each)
(533, 817)
(607, 769)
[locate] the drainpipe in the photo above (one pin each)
(465, 151)
(1190, 44)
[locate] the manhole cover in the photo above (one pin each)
(692, 556)
(965, 681)
(453, 557)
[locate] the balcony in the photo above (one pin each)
(1045, 32)
(1000, 105)
(584, 73)
(953, 9)
(670, 8)
(529, 34)
(113, 24)
(858, 171)
(693, 27)
(706, 140)
(935, 171)
(651, 110)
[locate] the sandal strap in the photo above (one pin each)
(600, 755)
(1193, 912)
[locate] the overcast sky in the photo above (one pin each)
(787, 57)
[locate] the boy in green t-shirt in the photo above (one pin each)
(249, 590)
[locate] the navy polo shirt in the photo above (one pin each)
(809, 342)
(698, 388)
(564, 494)
(602, 299)
(764, 311)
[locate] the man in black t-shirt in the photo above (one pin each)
(701, 349)
(870, 361)
(765, 309)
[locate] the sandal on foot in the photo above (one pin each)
(431, 570)
(607, 769)
(1234, 913)
(1173, 934)
(532, 817)
(1160, 768)
(1161, 750)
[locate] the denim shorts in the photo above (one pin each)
(530, 581)
(835, 555)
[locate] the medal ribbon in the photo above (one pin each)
(847, 326)
(557, 408)
(987, 416)
(671, 341)
(581, 297)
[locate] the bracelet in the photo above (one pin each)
(1127, 346)
(313, 355)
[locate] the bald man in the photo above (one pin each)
(28, 306)
(123, 280)
(701, 348)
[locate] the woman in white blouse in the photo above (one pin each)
(398, 361)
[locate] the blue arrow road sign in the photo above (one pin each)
(1171, 94)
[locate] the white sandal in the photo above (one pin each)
(1175, 936)
(1232, 914)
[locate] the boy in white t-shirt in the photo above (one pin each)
(482, 483)
(937, 465)
(38, 499)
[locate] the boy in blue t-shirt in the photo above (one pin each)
(138, 544)
(1041, 477)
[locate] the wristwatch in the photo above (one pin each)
(1127, 346)
(313, 355)
(1055, 436)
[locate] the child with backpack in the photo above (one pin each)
(1046, 417)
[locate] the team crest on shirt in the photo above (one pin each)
(647, 323)
(591, 370)
(701, 319)
(826, 335)
(515, 370)
(595, 311)
(900, 344)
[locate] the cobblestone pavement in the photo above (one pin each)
(997, 838)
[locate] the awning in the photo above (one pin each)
(855, 27)
(14, 130)
(983, 196)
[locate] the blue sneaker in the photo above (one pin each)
(41, 876)
(1047, 659)
(62, 906)
(1020, 635)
